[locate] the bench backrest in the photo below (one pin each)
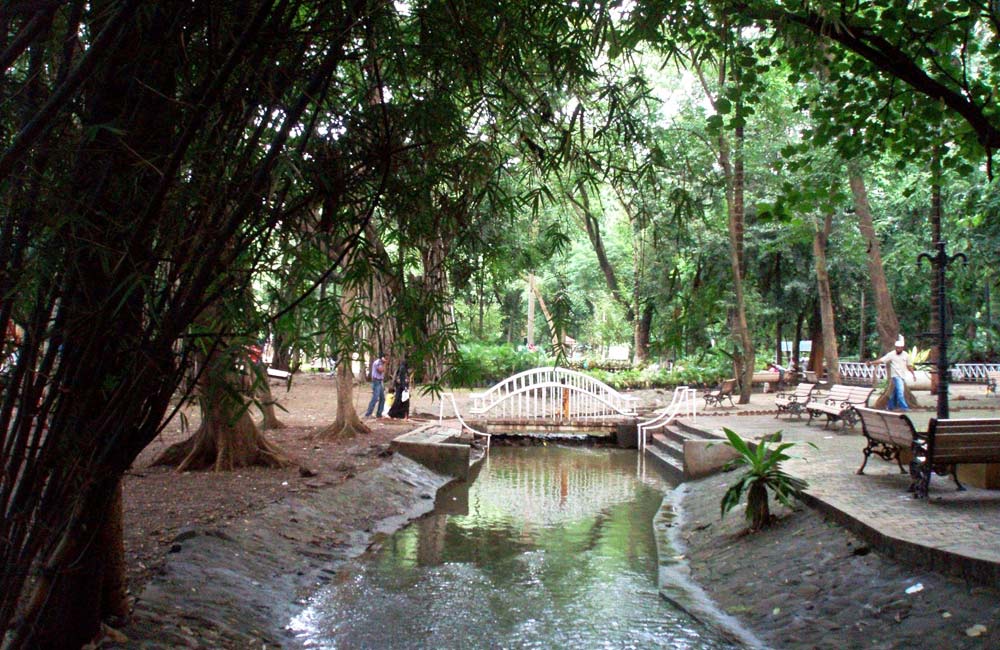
(859, 395)
(886, 426)
(727, 387)
(964, 440)
(804, 390)
(850, 394)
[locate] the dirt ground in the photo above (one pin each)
(806, 583)
(160, 503)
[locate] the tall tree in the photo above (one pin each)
(831, 357)
(885, 320)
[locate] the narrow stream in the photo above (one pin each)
(549, 547)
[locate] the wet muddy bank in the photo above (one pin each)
(237, 586)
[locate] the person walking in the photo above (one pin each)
(378, 387)
(400, 408)
(899, 362)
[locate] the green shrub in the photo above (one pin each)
(478, 364)
(764, 474)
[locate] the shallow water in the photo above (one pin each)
(549, 547)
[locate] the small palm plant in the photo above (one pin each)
(763, 473)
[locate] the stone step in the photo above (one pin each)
(673, 467)
(694, 429)
(668, 445)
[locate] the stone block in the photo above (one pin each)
(705, 457)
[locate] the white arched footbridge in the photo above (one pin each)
(552, 397)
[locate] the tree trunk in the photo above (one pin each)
(885, 314)
(97, 577)
(797, 345)
(558, 346)
(816, 355)
(529, 330)
(347, 423)
(861, 328)
(734, 199)
(758, 508)
(830, 355)
(268, 406)
(592, 227)
(227, 437)
(642, 327)
(435, 283)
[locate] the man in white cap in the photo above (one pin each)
(899, 363)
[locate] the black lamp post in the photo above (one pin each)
(941, 261)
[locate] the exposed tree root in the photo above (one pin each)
(342, 429)
(222, 447)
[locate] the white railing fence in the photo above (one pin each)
(973, 372)
(551, 394)
(458, 415)
(854, 372)
(684, 402)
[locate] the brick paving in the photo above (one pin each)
(956, 532)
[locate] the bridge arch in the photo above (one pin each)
(551, 394)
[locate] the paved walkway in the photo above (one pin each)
(956, 532)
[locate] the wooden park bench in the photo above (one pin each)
(793, 403)
(956, 442)
(839, 404)
(724, 391)
(887, 434)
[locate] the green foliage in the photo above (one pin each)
(480, 364)
(700, 370)
(763, 474)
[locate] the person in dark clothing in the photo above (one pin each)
(400, 408)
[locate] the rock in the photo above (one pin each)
(976, 630)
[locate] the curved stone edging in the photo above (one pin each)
(975, 570)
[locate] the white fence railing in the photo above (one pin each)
(458, 415)
(854, 372)
(684, 402)
(551, 394)
(973, 372)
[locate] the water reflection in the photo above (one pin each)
(550, 547)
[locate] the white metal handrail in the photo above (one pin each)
(458, 415)
(549, 392)
(550, 401)
(684, 401)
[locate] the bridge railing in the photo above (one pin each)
(552, 393)
(458, 414)
(684, 402)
